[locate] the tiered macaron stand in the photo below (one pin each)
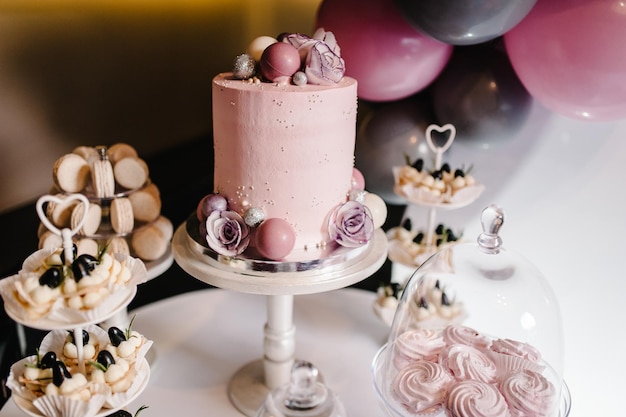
(278, 282)
(106, 233)
(78, 323)
(384, 309)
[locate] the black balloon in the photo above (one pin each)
(466, 22)
(480, 94)
(386, 133)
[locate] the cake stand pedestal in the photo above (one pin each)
(250, 385)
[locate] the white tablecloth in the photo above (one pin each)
(202, 338)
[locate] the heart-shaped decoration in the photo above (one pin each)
(442, 130)
(61, 201)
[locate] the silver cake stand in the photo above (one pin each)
(279, 282)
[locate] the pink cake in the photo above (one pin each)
(284, 181)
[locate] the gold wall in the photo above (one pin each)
(96, 72)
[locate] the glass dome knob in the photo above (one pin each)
(491, 219)
(303, 396)
(304, 392)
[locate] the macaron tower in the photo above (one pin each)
(124, 211)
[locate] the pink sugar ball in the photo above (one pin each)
(274, 238)
(279, 60)
(209, 204)
(358, 181)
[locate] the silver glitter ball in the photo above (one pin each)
(299, 78)
(254, 216)
(244, 67)
(357, 195)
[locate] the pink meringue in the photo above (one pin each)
(417, 344)
(476, 399)
(466, 362)
(528, 393)
(454, 334)
(422, 386)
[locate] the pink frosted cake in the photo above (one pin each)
(284, 127)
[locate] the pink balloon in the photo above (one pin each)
(570, 55)
(383, 52)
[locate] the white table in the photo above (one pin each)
(202, 338)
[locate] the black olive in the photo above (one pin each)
(459, 173)
(59, 373)
(419, 238)
(120, 413)
(74, 253)
(440, 229)
(444, 299)
(48, 360)
(418, 164)
(437, 174)
(395, 288)
(52, 277)
(407, 224)
(105, 359)
(83, 265)
(422, 303)
(445, 167)
(116, 336)
(85, 337)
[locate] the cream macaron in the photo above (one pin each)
(71, 173)
(146, 203)
(121, 215)
(151, 241)
(131, 172)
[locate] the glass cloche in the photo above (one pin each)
(477, 331)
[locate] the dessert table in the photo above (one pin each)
(561, 185)
(201, 338)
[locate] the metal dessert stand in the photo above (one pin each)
(279, 282)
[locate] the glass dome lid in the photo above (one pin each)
(477, 332)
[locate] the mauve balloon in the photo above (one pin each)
(571, 56)
(466, 22)
(389, 58)
(480, 94)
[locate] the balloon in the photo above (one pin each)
(571, 57)
(386, 133)
(390, 59)
(480, 94)
(466, 22)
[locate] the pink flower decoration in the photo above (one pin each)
(301, 42)
(227, 233)
(328, 38)
(321, 56)
(351, 224)
(323, 66)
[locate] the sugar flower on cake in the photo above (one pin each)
(323, 66)
(351, 224)
(227, 232)
(321, 56)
